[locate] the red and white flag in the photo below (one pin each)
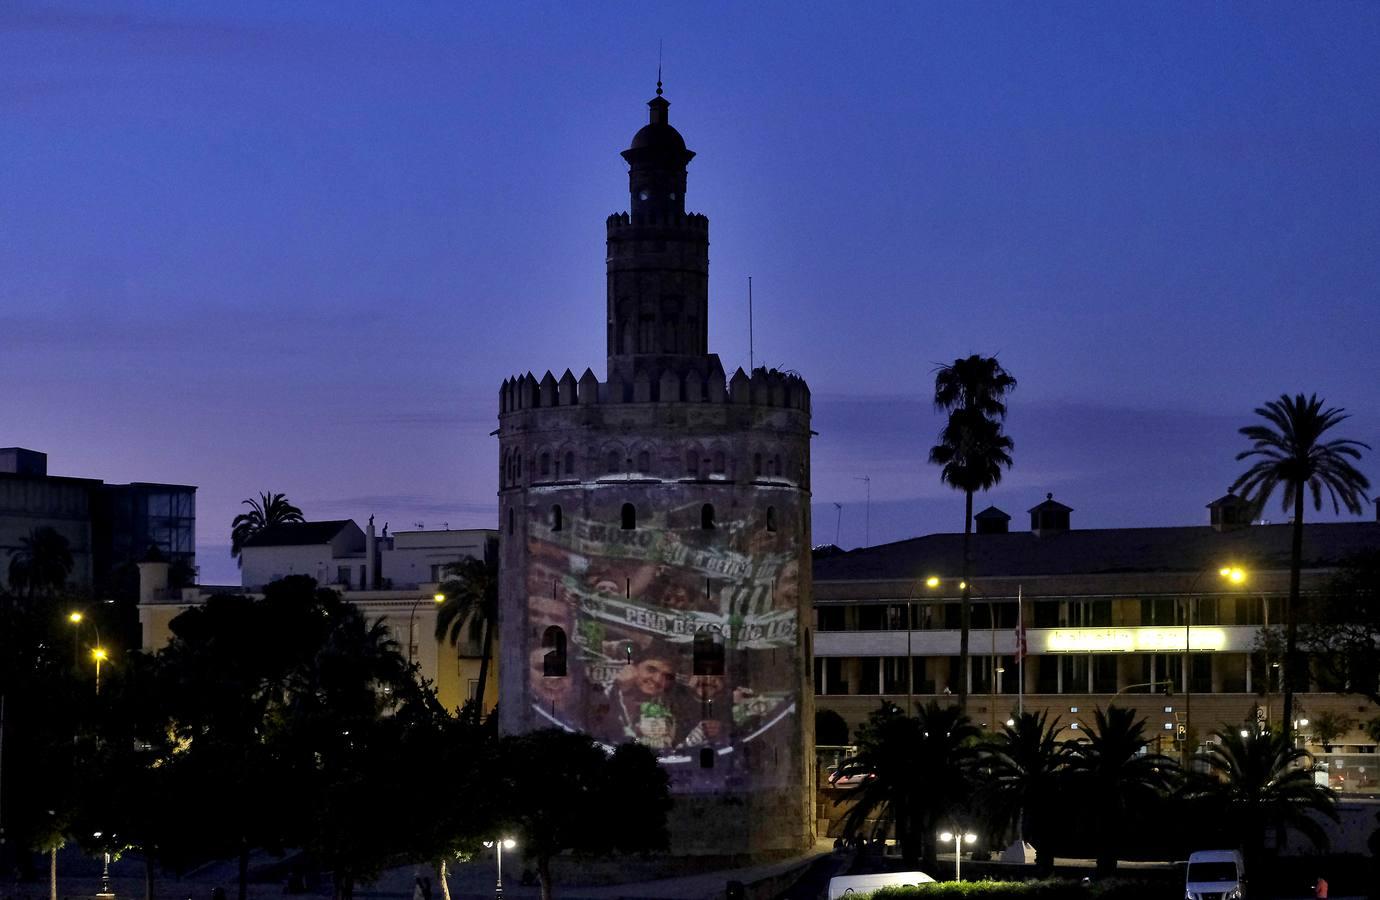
(1020, 641)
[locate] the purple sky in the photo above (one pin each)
(296, 246)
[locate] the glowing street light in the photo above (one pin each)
(100, 656)
(500, 845)
(958, 839)
(438, 598)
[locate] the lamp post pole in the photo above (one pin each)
(498, 846)
(437, 598)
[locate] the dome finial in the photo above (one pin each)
(658, 67)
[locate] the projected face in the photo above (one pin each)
(682, 639)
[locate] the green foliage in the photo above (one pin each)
(471, 601)
(1327, 726)
(269, 510)
(1027, 767)
(1341, 628)
(1053, 889)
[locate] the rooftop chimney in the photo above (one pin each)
(1229, 512)
(992, 521)
(1049, 517)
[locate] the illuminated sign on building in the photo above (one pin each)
(1131, 640)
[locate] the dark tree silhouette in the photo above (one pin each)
(1259, 780)
(564, 792)
(1029, 764)
(1291, 455)
(972, 451)
(471, 608)
(42, 563)
(269, 510)
(1117, 778)
(922, 770)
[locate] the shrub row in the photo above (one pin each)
(1051, 889)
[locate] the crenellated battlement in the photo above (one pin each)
(764, 387)
(619, 223)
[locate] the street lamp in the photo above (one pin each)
(958, 839)
(105, 893)
(100, 656)
(1233, 574)
(500, 845)
(437, 598)
(77, 618)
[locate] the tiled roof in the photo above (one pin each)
(1103, 551)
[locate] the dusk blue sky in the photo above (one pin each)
(296, 246)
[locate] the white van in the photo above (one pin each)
(861, 885)
(1215, 875)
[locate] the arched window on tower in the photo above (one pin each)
(757, 465)
(629, 517)
(615, 461)
(644, 461)
(771, 518)
(692, 462)
(707, 516)
(570, 464)
(517, 468)
(553, 663)
(557, 518)
(544, 467)
(719, 463)
(510, 520)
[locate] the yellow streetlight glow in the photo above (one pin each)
(932, 581)
(439, 597)
(74, 617)
(963, 585)
(99, 654)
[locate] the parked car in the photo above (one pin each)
(838, 779)
(1215, 875)
(848, 885)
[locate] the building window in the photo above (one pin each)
(692, 463)
(472, 690)
(557, 519)
(757, 465)
(629, 517)
(553, 663)
(342, 575)
(569, 464)
(719, 462)
(708, 654)
(830, 618)
(707, 516)
(644, 461)
(517, 468)
(771, 518)
(614, 461)
(510, 521)
(544, 466)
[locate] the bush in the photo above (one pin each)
(1053, 889)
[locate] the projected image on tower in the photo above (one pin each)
(682, 640)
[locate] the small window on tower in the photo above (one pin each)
(614, 460)
(644, 461)
(707, 516)
(569, 464)
(757, 465)
(719, 462)
(544, 467)
(510, 521)
(629, 517)
(557, 518)
(553, 664)
(692, 463)
(771, 518)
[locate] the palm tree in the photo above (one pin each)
(1029, 764)
(1262, 780)
(972, 451)
(42, 563)
(471, 608)
(978, 383)
(269, 510)
(1290, 453)
(1117, 777)
(920, 772)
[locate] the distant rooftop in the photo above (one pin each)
(299, 534)
(1097, 551)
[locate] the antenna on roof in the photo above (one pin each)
(658, 66)
(750, 357)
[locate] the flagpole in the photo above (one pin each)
(1020, 652)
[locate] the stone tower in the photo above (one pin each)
(654, 546)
